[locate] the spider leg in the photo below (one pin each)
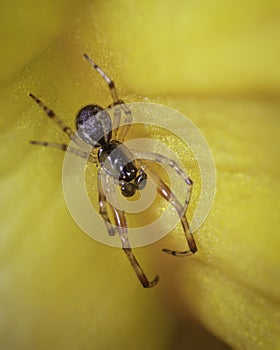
(122, 132)
(159, 158)
(110, 82)
(50, 113)
(116, 120)
(167, 194)
(119, 133)
(121, 224)
(64, 147)
(103, 206)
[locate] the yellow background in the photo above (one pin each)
(216, 62)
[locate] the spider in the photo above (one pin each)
(94, 127)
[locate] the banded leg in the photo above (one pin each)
(122, 132)
(159, 158)
(50, 113)
(121, 224)
(62, 146)
(116, 121)
(119, 133)
(167, 194)
(103, 207)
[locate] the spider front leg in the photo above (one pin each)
(157, 157)
(121, 224)
(103, 206)
(167, 194)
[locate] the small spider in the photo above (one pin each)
(94, 126)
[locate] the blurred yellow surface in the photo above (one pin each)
(217, 63)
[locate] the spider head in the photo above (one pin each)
(139, 182)
(127, 188)
(94, 125)
(128, 172)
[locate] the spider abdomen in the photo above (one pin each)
(94, 125)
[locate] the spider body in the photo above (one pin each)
(94, 127)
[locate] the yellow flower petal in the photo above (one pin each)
(61, 289)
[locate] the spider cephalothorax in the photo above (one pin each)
(114, 159)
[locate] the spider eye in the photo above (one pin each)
(128, 172)
(141, 181)
(127, 189)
